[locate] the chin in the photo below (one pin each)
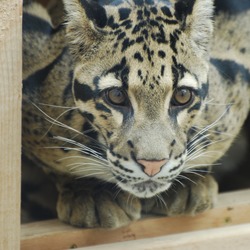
(145, 189)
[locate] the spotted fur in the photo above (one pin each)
(146, 50)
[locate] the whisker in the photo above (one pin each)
(117, 192)
(55, 106)
(53, 121)
(214, 131)
(62, 125)
(89, 175)
(78, 144)
(129, 204)
(210, 102)
(57, 118)
(197, 139)
(77, 165)
(200, 165)
(86, 163)
(78, 150)
(83, 171)
(213, 124)
(183, 185)
(111, 179)
(197, 174)
(186, 178)
(200, 140)
(161, 200)
(102, 162)
(204, 154)
(193, 152)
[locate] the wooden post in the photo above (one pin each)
(10, 122)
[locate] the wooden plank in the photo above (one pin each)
(10, 122)
(232, 209)
(230, 238)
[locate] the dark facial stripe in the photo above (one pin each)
(124, 77)
(203, 91)
(88, 116)
(174, 37)
(175, 76)
(87, 129)
(118, 67)
(120, 179)
(118, 164)
(178, 71)
(121, 72)
(82, 91)
(197, 106)
(175, 168)
(101, 107)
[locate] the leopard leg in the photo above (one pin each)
(90, 203)
(192, 197)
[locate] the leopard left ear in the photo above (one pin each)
(85, 23)
(195, 17)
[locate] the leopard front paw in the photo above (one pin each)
(193, 197)
(102, 208)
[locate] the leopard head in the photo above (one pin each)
(141, 78)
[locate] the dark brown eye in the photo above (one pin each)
(182, 96)
(116, 96)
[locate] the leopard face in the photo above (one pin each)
(147, 89)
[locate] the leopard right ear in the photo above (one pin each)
(196, 20)
(85, 23)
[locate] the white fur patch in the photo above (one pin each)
(188, 81)
(109, 81)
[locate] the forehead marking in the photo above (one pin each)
(138, 56)
(146, 20)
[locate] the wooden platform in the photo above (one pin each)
(216, 225)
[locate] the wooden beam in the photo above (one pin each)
(10, 122)
(232, 209)
(229, 238)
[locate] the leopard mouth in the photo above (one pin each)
(146, 189)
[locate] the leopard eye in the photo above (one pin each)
(182, 96)
(116, 96)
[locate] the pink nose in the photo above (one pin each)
(152, 168)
